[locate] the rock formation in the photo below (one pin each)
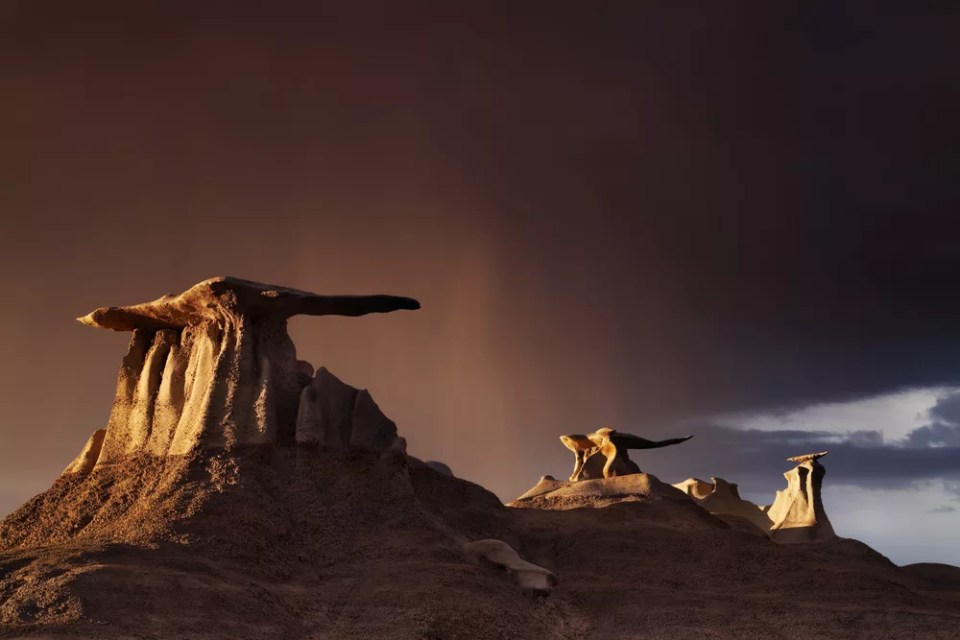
(550, 493)
(295, 514)
(796, 515)
(797, 512)
(528, 575)
(614, 448)
(213, 368)
(440, 467)
(722, 498)
(87, 460)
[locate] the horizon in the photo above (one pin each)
(737, 222)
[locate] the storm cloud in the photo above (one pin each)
(860, 458)
(626, 216)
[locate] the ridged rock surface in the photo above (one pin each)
(214, 368)
(797, 512)
(796, 515)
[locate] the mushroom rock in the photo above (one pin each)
(528, 575)
(797, 513)
(722, 498)
(614, 447)
(214, 368)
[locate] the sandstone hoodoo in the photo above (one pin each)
(214, 368)
(796, 515)
(613, 448)
(238, 492)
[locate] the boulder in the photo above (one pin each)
(528, 575)
(440, 467)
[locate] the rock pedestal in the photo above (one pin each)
(797, 512)
(796, 515)
(214, 368)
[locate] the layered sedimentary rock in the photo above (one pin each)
(214, 368)
(797, 512)
(613, 447)
(550, 493)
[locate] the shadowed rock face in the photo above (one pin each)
(214, 368)
(528, 575)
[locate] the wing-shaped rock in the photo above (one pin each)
(214, 368)
(613, 447)
(227, 297)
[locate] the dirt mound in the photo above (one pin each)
(934, 575)
(264, 542)
(301, 543)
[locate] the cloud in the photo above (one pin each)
(935, 435)
(947, 409)
(947, 509)
(944, 431)
(756, 458)
(861, 457)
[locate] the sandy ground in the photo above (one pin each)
(294, 543)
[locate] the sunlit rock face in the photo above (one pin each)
(797, 512)
(214, 368)
(796, 515)
(722, 498)
(559, 495)
(605, 452)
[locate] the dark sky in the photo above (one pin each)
(626, 214)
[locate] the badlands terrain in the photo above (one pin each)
(237, 492)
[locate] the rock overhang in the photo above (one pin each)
(226, 296)
(213, 368)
